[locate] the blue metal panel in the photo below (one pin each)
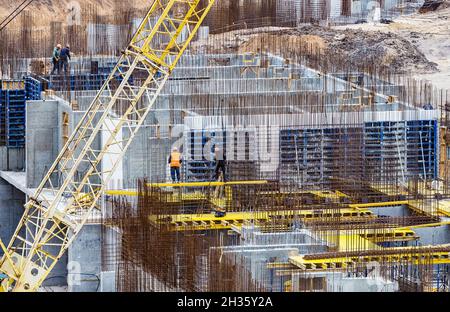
(33, 88)
(201, 169)
(78, 82)
(14, 121)
(3, 109)
(436, 149)
(422, 143)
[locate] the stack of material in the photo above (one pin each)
(12, 113)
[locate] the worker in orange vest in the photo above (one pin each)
(175, 161)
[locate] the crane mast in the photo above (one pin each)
(57, 211)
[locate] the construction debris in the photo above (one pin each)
(433, 5)
(359, 48)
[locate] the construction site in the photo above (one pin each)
(310, 138)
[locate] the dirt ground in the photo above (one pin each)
(429, 33)
(418, 44)
(383, 48)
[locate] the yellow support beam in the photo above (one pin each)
(366, 239)
(399, 254)
(444, 208)
(380, 204)
(328, 194)
(351, 242)
(280, 265)
(207, 184)
(389, 235)
(421, 226)
(414, 206)
(186, 222)
(186, 184)
(122, 193)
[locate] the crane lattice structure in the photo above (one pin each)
(58, 210)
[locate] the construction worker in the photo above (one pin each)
(219, 158)
(55, 59)
(175, 161)
(64, 58)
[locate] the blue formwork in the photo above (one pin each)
(33, 88)
(77, 82)
(3, 108)
(13, 117)
(312, 152)
(415, 139)
(197, 165)
(422, 142)
(309, 155)
(106, 67)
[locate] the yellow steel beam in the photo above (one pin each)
(380, 204)
(212, 183)
(366, 239)
(444, 208)
(419, 257)
(328, 194)
(410, 204)
(415, 206)
(123, 192)
(184, 222)
(418, 226)
(443, 213)
(280, 265)
(385, 235)
(8, 258)
(186, 184)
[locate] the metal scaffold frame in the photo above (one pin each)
(58, 210)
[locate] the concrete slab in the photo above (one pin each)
(18, 180)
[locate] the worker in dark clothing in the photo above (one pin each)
(219, 158)
(55, 59)
(428, 106)
(64, 58)
(175, 161)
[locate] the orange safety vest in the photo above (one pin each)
(175, 159)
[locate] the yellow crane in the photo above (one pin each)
(56, 213)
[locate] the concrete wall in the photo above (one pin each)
(396, 211)
(146, 157)
(434, 235)
(12, 159)
(84, 260)
(44, 140)
(256, 249)
(44, 137)
(341, 282)
(11, 210)
(108, 281)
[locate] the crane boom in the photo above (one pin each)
(56, 213)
